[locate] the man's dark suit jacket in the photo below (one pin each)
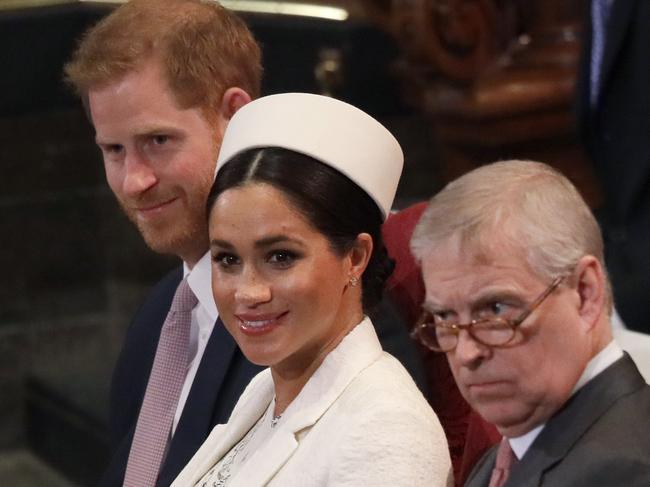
(600, 438)
(222, 376)
(616, 133)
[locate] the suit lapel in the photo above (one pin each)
(619, 18)
(567, 427)
(196, 421)
(481, 473)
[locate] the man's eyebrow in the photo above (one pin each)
(143, 132)
(156, 129)
(496, 295)
(431, 306)
(480, 299)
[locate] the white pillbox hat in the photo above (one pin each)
(329, 130)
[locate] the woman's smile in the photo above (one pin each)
(256, 324)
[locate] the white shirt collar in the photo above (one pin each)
(521, 444)
(199, 278)
(603, 359)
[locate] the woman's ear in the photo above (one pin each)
(360, 255)
(589, 277)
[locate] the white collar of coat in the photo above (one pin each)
(358, 349)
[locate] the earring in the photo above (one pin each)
(354, 281)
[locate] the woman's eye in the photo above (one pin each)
(282, 258)
(225, 261)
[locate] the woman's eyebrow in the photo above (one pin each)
(275, 239)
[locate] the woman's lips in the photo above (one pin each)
(255, 325)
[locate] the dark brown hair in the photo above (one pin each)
(329, 200)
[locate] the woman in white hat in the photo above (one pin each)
(303, 185)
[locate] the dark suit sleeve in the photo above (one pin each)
(136, 358)
(132, 373)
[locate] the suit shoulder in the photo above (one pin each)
(143, 332)
(162, 292)
(624, 429)
(153, 310)
(614, 451)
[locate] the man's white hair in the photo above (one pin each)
(529, 204)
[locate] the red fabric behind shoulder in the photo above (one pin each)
(405, 285)
(468, 435)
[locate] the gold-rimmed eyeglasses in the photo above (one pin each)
(493, 332)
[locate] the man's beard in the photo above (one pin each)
(174, 237)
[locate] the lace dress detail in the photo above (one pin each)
(235, 459)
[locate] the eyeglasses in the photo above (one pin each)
(492, 332)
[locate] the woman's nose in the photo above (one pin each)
(252, 290)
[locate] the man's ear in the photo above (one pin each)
(233, 99)
(590, 286)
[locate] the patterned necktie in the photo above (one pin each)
(505, 459)
(599, 15)
(163, 390)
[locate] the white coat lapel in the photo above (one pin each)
(265, 463)
(357, 350)
(224, 437)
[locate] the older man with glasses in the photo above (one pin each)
(518, 298)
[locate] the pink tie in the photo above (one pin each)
(505, 459)
(163, 390)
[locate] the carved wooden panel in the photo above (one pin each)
(495, 77)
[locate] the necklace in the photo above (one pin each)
(274, 417)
